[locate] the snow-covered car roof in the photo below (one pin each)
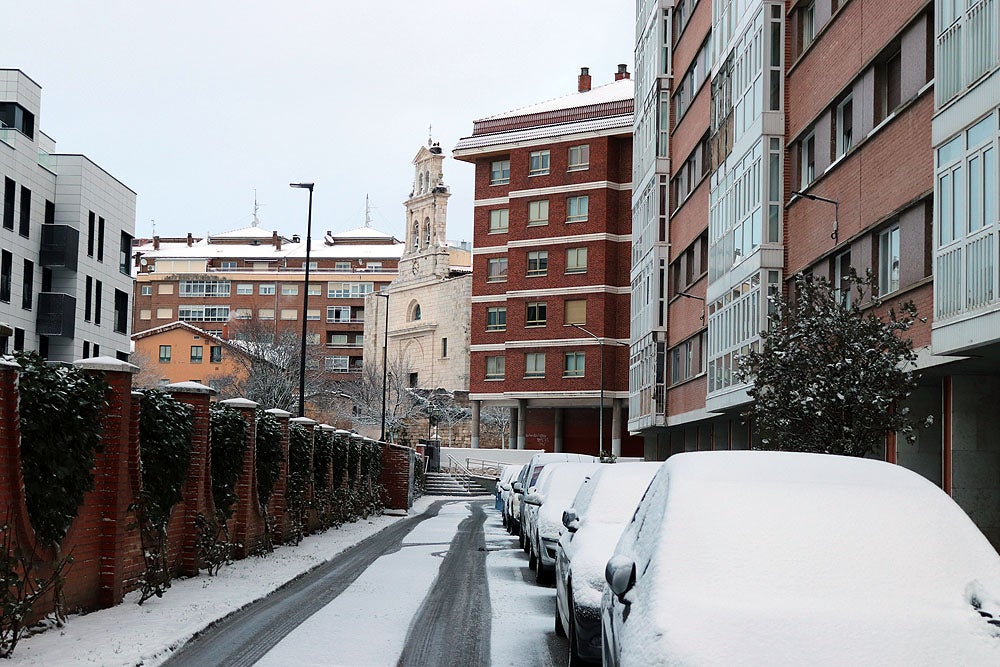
(612, 493)
(559, 487)
(789, 558)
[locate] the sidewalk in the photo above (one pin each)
(132, 635)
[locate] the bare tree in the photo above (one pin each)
(148, 376)
(495, 421)
(365, 396)
(442, 409)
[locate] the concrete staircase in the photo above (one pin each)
(444, 484)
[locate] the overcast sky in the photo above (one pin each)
(196, 103)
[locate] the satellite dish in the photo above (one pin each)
(143, 262)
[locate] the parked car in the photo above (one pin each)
(593, 523)
(504, 488)
(556, 488)
(535, 467)
(782, 558)
(514, 512)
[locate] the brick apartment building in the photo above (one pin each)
(65, 275)
(800, 140)
(550, 297)
(248, 284)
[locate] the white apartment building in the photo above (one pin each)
(65, 240)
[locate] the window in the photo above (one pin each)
(888, 260)
(888, 86)
(98, 297)
(444, 348)
(244, 288)
(534, 365)
(336, 340)
(338, 314)
(499, 219)
(535, 314)
(165, 288)
(265, 289)
(203, 313)
(50, 219)
(6, 268)
(573, 365)
(289, 289)
(496, 318)
(841, 277)
(164, 313)
(682, 362)
(124, 247)
(577, 208)
(415, 313)
(86, 349)
(146, 290)
(538, 262)
(579, 157)
(538, 163)
(352, 290)
(265, 314)
(228, 265)
(313, 315)
(413, 379)
(497, 270)
(24, 228)
(500, 172)
(315, 289)
(100, 239)
(807, 24)
(203, 288)
(19, 342)
(121, 311)
(196, 354)
(88, 297)
(807, 167)
(164, 354)
(342, 266)
(145, 314)
(337, 364)
(496, 368)
(289, 314)
(244, 313)
(575, 311)
(312, 339)
(9, 188)
(576, 260)
(845, 126)
(215, 354)
(538, 212)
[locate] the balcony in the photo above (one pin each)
(966, 49)
(56, 314)
(60, 247)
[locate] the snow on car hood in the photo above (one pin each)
(592, 546)
(560, 489)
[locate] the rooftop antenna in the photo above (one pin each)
(430, 134)
(256, 208)
(368, 213)
(153, 220)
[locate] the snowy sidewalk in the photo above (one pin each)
(132, 635)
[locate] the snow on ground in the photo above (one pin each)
(132, 635)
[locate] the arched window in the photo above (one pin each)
(416, 235)
(427, 181)
(427, 232)
(414, 311)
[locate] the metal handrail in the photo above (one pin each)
(483, 464)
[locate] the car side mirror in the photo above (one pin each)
(620, 575)
(504, 486)
(518, 488)
(534, 498)
(570, 520)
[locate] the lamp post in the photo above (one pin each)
(600, 415)
(385, 356)
(836, 212)
(305, 300)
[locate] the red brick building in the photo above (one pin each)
(550, 294)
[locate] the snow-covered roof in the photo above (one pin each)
(177, 324)
(623, 89)
(622, 121)
(360, 233)
(251, 232)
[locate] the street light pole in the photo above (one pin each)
(305, 300)
(600, 415)
(836, 212)
(385, 357)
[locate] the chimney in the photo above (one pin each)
(276, 240)
(156, 243)
(225, 332)
(190, 240)
(583, 82)
(622, 73)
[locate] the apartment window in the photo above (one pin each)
(289, 314)
(496, 367)
(342, 266)
(573, 364)
(500, 172)
(575, 311)
(244, 288)
(27, 284)
(19, 341)
(98, 298)
(807, 159)
(100, 239)
(807, 24)
(315, 290)
(496, 270)
(6, 269)
(534, 365)
(338, 313)
(24, 229)
(215, 354)
(682, 365)
(499, 221)
(538, 212)
(444, 348)
(9, 188)
(266, 289)
(196, 354)
(50, 217)
(86, 349)
(888, 260)
(888, 85)
(165, 354)
(121, 311)
(577, 208)
(165, 288)
(579, 157)
(538, 262)
(145, 314)
(146, 290)
(842, 276)
(338, 364)
(165, 313)
(88, 297)
(228, 265)
(496, 318)
(576, 260)
(538, 163)
(203, 288)
(336, 340)
(350, 290)
(845, 125)
(313, 315)
(535, 314)
(244, 313)
(289, 289)
(265, 314)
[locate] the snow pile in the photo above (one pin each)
(783, 558)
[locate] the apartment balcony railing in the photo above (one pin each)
(56, 314)
(966, 50)
(60, 247)
(966, 277)
(346, 345)
(5, 133)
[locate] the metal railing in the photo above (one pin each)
(966, 49)
(484, 467)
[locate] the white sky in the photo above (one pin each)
(195, 103)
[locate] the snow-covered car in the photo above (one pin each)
(504, 488)
(535, 467)
(546, 506)
(783, 558)
(594, 522)
(514, 512)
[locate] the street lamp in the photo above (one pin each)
(305, 300)
(600, 415)
(699, 298)
(385, 356)
(836, 212)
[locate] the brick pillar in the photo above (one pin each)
(197, 496)
(112, 480)
(247, 523)
(276, 507)
(397, 476)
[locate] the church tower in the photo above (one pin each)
(426, 253)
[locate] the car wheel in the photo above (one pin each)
(541, 574)
(560, 630)
(574, 655)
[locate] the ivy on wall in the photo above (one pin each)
(228, 446)
(269, 455)
(299, 472)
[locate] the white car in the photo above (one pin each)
(783, 558)
(530, 477)
(594, 522)
(505, 489)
